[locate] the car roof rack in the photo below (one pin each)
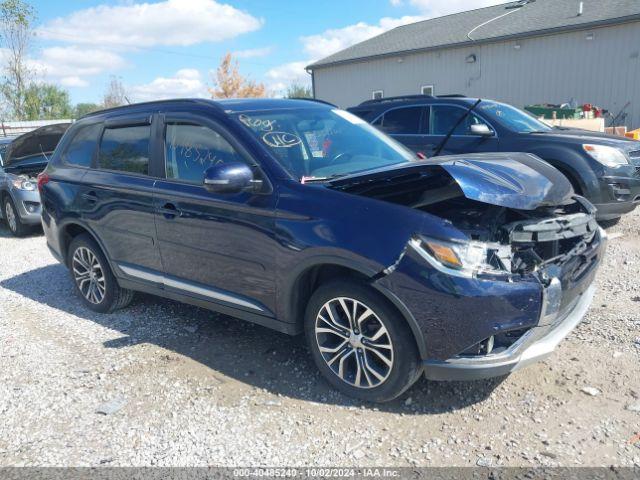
(392, 99)
(452, 95)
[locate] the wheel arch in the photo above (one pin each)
(73, 229)
(311, 274)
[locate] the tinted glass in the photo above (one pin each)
(191, 149)
(444, 117)
(125, 149)
(323, 142)
(514, 119)
(80, 151)
(3, 149)
(402, 121)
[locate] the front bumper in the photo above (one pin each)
(27, 203)
(621, 194)
(537, 344)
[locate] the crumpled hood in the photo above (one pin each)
(514, 180)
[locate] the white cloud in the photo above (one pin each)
(437, 8)
(284, 75)
(166, 23)
(253, 52)
(73, 81)
(396, 3)
(334, 40)
(326, 43)
(74, 61)
(186, 83)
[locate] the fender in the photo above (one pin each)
(77, 222)
(571, 162)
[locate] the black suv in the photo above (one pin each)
(302, 217)
(603, 168)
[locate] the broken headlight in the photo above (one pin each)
(463, 259)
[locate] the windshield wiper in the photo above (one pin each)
(439, 148)
(320, 179)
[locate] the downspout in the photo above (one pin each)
(313, 82)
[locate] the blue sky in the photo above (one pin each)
(168, 48)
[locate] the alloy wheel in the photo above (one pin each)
(354, 342)
(11, 217)
(88, 275)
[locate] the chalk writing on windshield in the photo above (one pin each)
(265, 125)
(281, 139)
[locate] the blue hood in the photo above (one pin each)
(514, 180)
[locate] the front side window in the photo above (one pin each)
(125, 149)
(80, 150)
(444, 117)
(319, 142)
(191, 149)
(401, 121)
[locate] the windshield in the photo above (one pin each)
(513, 118)
(322, 143)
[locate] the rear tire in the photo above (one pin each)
(360, 343)
(11, 216)
(92, 277)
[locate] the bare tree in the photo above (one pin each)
(115, 95)
(16, 31)
(229, 83)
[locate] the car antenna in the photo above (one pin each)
(43, 154)
(444, 141)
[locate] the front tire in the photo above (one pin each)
(93, 279)
(10, 214)
(360, 343)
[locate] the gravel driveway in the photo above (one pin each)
(162, 383)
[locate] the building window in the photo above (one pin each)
(377, 94)
(427, 90)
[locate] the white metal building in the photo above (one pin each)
(523, 52)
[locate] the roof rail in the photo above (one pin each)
(130, 106)
(314, 100)
(452, 95)
(391, 99)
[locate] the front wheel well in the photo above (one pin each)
(312, 278)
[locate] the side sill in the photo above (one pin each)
(269, 322)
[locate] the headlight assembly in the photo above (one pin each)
(609, 156)
(461, 259)
(22, 183)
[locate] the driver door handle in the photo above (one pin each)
(169, 210)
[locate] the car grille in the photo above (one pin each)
(635, 160)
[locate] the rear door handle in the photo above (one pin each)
(90, 197)
(169, 210)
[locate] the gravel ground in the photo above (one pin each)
(162, 383)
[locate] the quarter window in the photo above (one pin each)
(401, 121)
(191, 149)
(125, 149)
(80, 151)
(444, 117)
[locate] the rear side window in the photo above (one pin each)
(401, 121)
(125, 149)
(80, 150)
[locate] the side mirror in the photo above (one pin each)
(228, 178)
(481, 129)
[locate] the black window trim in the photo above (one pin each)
(200, 120)
(114, 124)
(68, 143)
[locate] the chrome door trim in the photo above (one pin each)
(188, 287)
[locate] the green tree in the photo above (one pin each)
(83, 109)
(16, 32)
(47, 102)
(295, 90)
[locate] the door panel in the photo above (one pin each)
(119, 208)
(221, 245)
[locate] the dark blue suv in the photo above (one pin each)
(301, 217)
(603, 168)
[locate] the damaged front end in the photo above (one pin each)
(522, 271)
